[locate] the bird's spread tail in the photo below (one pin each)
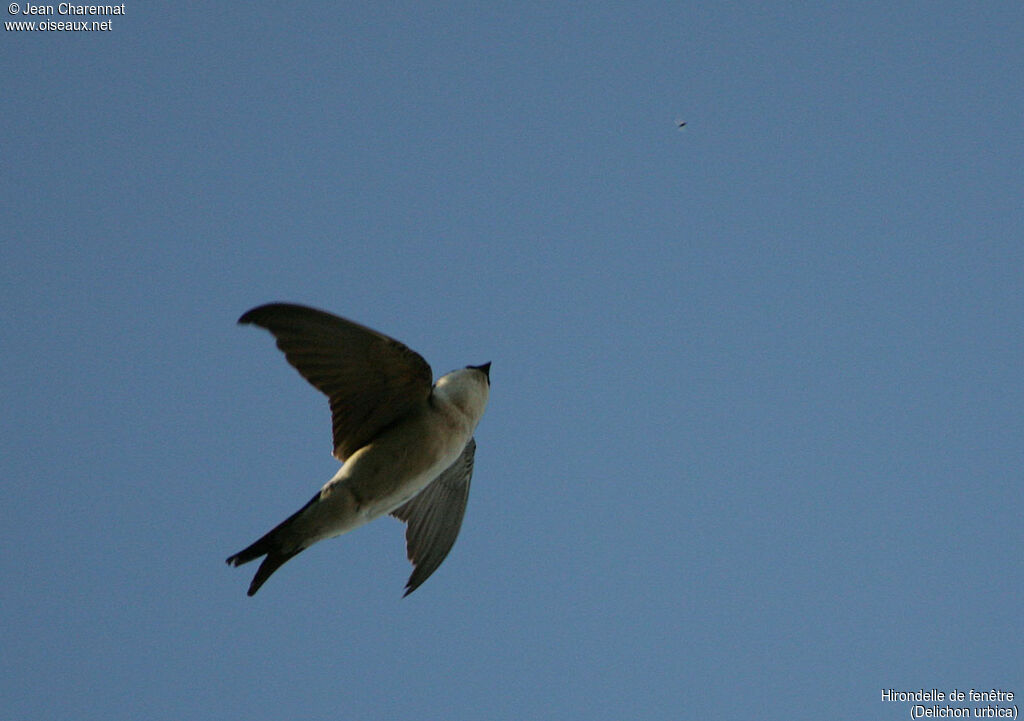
(274, 546)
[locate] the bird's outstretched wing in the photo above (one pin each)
(434, 517)
(370, 379)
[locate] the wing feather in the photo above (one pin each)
(434, 517)
(370, 380)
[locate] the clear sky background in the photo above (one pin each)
(755, 441)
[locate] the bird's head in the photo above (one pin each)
(467, 388)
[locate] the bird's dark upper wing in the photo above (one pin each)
(435, 516)
(369, 378)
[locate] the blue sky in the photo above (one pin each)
(754, 447)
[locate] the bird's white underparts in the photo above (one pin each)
(405, 443)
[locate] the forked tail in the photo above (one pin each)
(274, 546)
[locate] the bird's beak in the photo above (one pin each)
(486, 369)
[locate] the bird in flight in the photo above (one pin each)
(406, 444)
